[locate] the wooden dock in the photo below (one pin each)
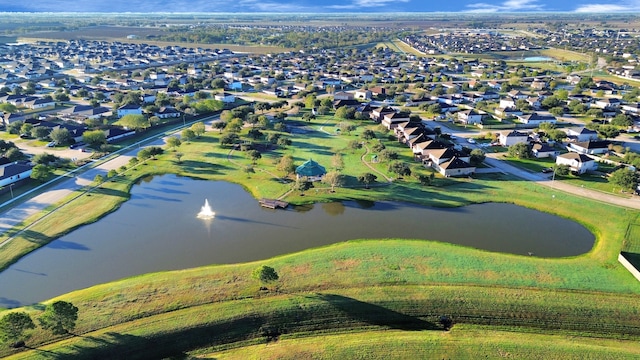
(273, 203)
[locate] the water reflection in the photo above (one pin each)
(149, 233)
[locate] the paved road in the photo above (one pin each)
(33, 206)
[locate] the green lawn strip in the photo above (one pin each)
(220, 325)
(463, 342)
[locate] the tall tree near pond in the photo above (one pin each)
(333, 178)
(13, 328)
(59, 317)
(198, 128)
(625, 178)
(366, 179)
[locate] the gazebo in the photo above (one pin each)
(311, 170)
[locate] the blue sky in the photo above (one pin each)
(314, 6)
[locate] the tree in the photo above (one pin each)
(26, 129)
(40, 132)
(40, 172)
(98, 179)
(254, 155)
(44, 158)
(229, 139)
(477, 156)
(173, 142)
(144, 154)
(265, 274)
(625, 178)
(621, 120)
(178, 157)
(608, 131)
(286, 165)
(187, 135)
(234, 125)
(399, 168)
(255, 134)
(520, 151)
(368, 134)
(220, 125)
(134, 121)
(388, 154)
(60, 135)
(345, 112)
(13, 327)
(337, 162)
(95, 138)
(333, 178)
(561, 170)
(8, 108)
(366, 179)
(198, 128)
(14, 154)
(59, 317)
(557, 110)
(354, 145)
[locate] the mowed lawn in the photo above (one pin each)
(403, 281)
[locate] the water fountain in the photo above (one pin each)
(206, 212)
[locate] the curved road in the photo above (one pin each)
(59, 192)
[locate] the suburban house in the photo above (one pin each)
(422, 149)
(543, 150)
(589, 147)
(440, 156)
(470, 117)
(225, 97)
(582, 134)
(536, 119)
(11, 173)
(129, 109)
(166, 112)
(512, 138)
(342, 95)
(455, 167)
(392, 120)
(507, 103)
(579, 163)
(310, 170)
(607, 103)
(363, 94)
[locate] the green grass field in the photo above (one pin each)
(359, 288)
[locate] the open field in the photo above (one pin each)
(463, 342)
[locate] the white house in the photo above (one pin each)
(225, 97)
(507, 103)
(470, 117)
(392, 120)
(14, 172)
(513, 137)
(129, 109)
(589, 147)
(455, 167)
(363, 94)
(543, 150)
(536, 119)
(579, 163)
(167, 112)
(582, 134)
(607, 103)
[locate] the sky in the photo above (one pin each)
(320, 6)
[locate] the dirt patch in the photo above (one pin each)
(347, 264)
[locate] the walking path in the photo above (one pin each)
(18, 214)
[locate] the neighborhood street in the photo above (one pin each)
(59, 192)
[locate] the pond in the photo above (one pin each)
(537, 58)
(157, 230)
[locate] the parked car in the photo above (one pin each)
(547, 170)
(471, 140)
(52, 144)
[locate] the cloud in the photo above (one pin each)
(605, 8)
(360, 4)
(507, 6)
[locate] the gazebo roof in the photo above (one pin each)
(310, 168)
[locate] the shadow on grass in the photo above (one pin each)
(371, 314)
(201, 167)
